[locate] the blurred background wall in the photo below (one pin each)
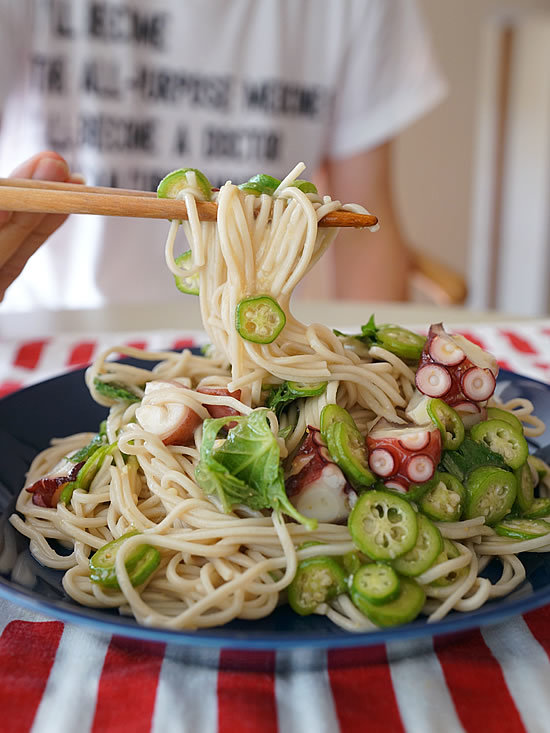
(452, 183)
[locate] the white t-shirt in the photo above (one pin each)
(128, 90)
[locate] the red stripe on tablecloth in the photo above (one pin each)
(27, 653)
(363, 691)
(519, 343)
(28, 354)
(471, 337)
(137, 344)
(128, 686)
(477, 685)
(81, 353)
(9, 386)
(181, 344)
(539, 623)
(246, 692)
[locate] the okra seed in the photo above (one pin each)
(394, 515)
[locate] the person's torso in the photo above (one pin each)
(129, 90)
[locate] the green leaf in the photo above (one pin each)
(278, 398)
(246, 468)
(368, 331)
(89, 470)
(115, 391)
(367, 335)
(285, 432)
(213, 477)
(284, 394)
(471, 455)
(84, 453)
(251, 452)
(401, 341)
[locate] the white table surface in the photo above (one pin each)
(187, 316)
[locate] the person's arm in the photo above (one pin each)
(21, 233)
(368, 266)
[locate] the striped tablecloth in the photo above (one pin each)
(60, 677)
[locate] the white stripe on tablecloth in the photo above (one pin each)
(7, 357)
(69, 700)
(526, 669)
(56, 352)
(302, 692)
(11, 612)
(187, 700)
(420, 689)
(52, 362)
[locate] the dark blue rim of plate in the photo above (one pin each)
(312, 632)
(230, 639)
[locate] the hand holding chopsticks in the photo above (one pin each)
(22, 233)
(67, 198)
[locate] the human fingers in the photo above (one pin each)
(22, 233)
(13, 266)
(44, 166)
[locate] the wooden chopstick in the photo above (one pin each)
(71, 198)
(57, 186)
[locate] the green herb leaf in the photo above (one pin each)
(246, 468)
(282, 395)
(367, 335)
(285, 432)
(84, 453)
(471, 455)
(115, 391)
(278, 398)
(89, 470)
(401, 341)
(251, 452)
(368, 331)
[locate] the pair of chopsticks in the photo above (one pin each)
(48, 197)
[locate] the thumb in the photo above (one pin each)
(45, 166)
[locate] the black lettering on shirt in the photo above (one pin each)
(101, 78)
(218, 179)
(107, 133)
(61, 21)
(142, 179)
(241, 144)
(58, 133)
(167, 85)
(108, 177)
(281, 98)
(181, 141)
(48, 74)
(122, 24)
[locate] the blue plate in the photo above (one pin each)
(61, 406)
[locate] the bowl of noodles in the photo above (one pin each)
(288, 485)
